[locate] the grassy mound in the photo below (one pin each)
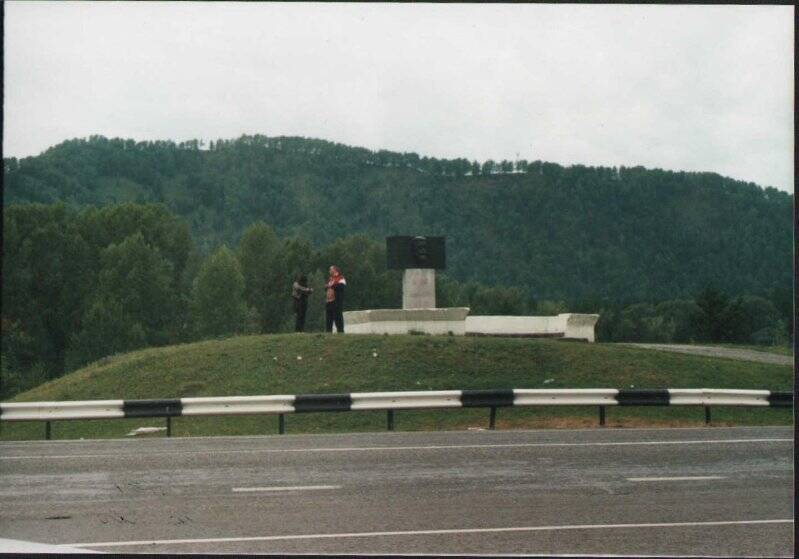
(317, 363)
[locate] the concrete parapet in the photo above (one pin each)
(568, 325)
(580, 326)
(407, 321)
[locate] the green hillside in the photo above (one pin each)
(316, 363)
(570, 233)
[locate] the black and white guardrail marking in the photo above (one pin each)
(242, 405)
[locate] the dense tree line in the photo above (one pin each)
(80, 285)
(712, 316)
(561, 233)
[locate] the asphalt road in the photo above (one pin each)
(716, 491)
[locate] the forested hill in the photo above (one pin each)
(558, 232)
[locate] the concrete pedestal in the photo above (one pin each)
(419, 289)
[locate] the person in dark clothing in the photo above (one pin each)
(300, 292)
(334, 298)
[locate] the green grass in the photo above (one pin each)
(252, 365)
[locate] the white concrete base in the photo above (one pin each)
(455, 321)
(407, 321)
(569, 325)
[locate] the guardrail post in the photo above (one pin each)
(390, 420)
(707, 415)
(492, 418)
(47, 431)
(601, 416)
(168, 426)
(281, 424)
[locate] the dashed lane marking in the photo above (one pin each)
(684, 478)
(288, 488)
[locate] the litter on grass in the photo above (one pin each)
(145, 431)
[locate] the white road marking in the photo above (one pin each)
(294, 488)
(685, 478)
(26, 548)
(434, 532)
(87, 442)
(369, 448)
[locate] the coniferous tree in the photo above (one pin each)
(718, 317)
(107, 330)
(218, 304)
(267, 278)
(133, 306)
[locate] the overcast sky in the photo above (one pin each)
(699, 88)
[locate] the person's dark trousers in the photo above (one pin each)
(330, 313)
(333, 315)
(299, 310)
(338, 316)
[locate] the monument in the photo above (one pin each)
(419, 258)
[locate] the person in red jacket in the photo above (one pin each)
(334, 297)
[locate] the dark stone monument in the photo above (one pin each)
(419, 257)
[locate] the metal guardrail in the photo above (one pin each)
(388, 401)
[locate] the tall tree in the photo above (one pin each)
(134, 305)
(47, 276)
(717, 317)
(218, 304)
(267, 278)
(140, 278)
(107, 330)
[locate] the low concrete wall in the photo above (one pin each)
(568, 325)
(407, 321)
(456, 322)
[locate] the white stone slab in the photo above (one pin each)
(516, 325)
(456, 322)
(407, 321)
(567, 325)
